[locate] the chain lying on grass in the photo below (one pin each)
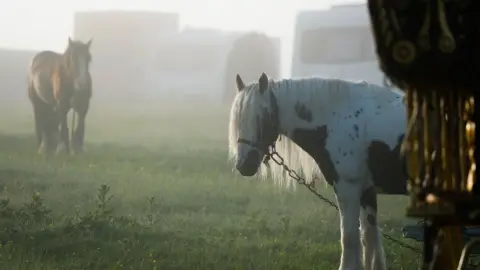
(275, 156)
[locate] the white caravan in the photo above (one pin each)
(336, 42)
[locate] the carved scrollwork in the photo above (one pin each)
(446, 41)
(431, 50)
(423, 39)
(430, 46)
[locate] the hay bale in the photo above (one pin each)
(251, 54)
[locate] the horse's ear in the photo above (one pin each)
(240, 84)
(89, 42)
(69, 41)
(263, 82)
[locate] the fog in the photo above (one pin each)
(154, 188)
(147, 54)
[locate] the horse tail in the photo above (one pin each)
(30, 79)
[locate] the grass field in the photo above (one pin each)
(155, 191)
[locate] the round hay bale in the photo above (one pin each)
(251, 54)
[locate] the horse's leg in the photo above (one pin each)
(39, 123)
(348, 193)
(41, 127)
(39, 118)
(49, 140)
(64, 144)
(373, 254)
(79, 134)
(80, 131)
(73, 139)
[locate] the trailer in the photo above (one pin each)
(336, 42)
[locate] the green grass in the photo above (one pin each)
(155, 191)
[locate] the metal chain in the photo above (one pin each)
(275, 156)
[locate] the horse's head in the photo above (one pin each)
(77, 61)
(254, 124)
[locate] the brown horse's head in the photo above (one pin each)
(77, 60)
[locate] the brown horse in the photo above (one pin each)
(57, 83)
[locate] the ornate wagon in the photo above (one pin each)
(431, 50)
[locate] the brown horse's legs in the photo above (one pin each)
(45, 124)
(78, 137)
(41, 113)
(64, 145)
(39, 118)
(81, 130)
(50, 131)
(79, 133)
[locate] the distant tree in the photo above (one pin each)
(251, 54)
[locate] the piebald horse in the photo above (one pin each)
(348, 132)
(57, 83)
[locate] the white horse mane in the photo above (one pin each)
(288, 92)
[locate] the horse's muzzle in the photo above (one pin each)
(250, 164)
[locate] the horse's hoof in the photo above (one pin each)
(42, 149)
(77, 150)
(61, 149)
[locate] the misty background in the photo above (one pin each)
(145, 51)
(37, 25)
(154, 189)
